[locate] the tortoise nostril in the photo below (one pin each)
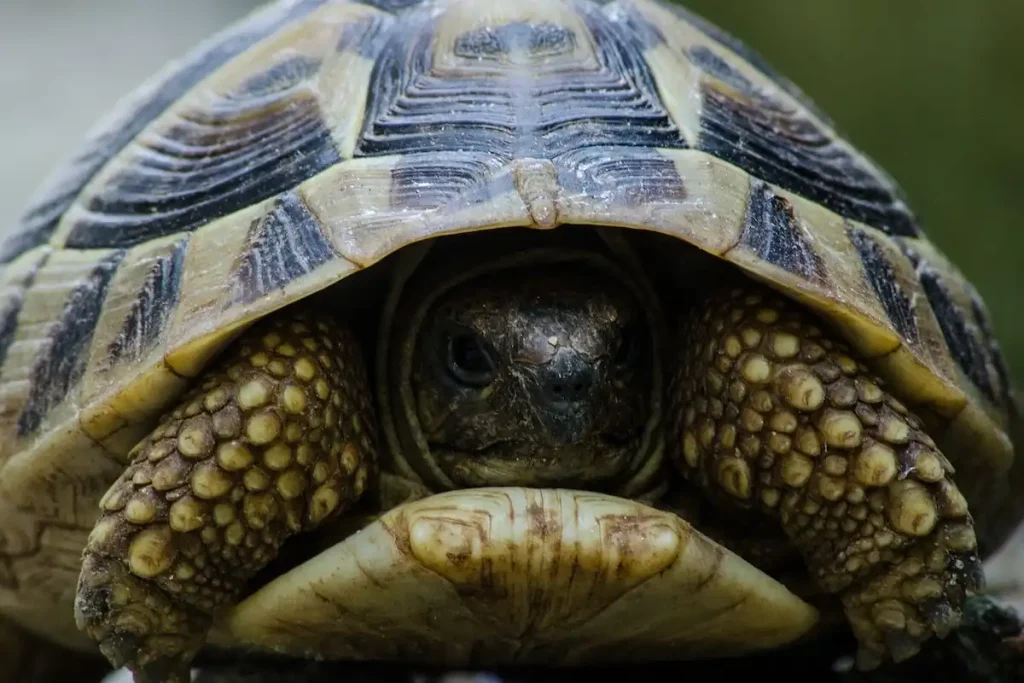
(561, 390)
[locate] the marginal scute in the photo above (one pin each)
(284, 245)
(61, 363)
(753, 118)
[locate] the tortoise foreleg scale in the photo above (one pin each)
(773, 414)
(275, 439)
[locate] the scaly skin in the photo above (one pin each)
(278, 437)
(774, 415)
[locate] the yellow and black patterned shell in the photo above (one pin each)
(316, 137)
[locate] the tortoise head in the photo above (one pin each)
(538, 369)
(533, 376)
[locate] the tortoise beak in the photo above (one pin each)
(564, 390)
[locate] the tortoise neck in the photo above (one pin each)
(426, 273)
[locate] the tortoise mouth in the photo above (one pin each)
(594, 464)
(518, 575)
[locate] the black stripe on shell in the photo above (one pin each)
(540, 105)
(152, 308)
(711, 63)
(424, 182)
(537, 40)
(763, 136)
(961, 333)
(621, 175)
(60, 364)
(880, 273)
(1005, 392)
(633, 20)
(114, 134)
(284, 245)
(752, 57)
(774, 234)
(364, 36)
(12, 307)
(266, 137)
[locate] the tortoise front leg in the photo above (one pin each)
(274, 440)
(773, 414)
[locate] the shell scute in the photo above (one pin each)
(114, 133)
(249, 131)
(749, 117)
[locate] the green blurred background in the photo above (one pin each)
(932, 89)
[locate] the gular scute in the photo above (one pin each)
(529, 552)
(514, 575)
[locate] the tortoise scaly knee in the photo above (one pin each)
(278, 438)
(771, 414)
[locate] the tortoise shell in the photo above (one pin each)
(315, 138)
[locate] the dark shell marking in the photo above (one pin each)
(880, 273)
(113, 134)
(519, 90)
(284, 245)
(962, 332)
(773, 233)
(772, 141)
(151, 310)
(204, 164)
(15, 299)
(60, 364)
(310, 156)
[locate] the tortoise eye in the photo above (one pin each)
(469, 360)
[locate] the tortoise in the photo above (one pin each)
(469, 332)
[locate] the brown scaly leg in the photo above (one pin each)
(276, 438)
(773, 414)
